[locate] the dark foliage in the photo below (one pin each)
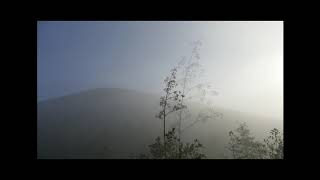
(244, 146)
(172, 143)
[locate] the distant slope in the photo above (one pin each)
(114, 123)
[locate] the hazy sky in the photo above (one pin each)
(242, 60)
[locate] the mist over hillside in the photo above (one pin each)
(118, 123)
(185, 89)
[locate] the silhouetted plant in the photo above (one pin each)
(244, 146)
(169, 103)
(274, 144)
(188, 150)
(191, 70)
(173, 101)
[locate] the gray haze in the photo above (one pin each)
(242, 60)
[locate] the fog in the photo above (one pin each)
(243, 61)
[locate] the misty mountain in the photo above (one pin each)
(117, 123)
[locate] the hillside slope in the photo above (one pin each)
(114, 123)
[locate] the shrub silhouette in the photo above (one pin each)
(172, 145)
(274, 144)
(244, 146)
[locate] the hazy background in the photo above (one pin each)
(242, 60)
